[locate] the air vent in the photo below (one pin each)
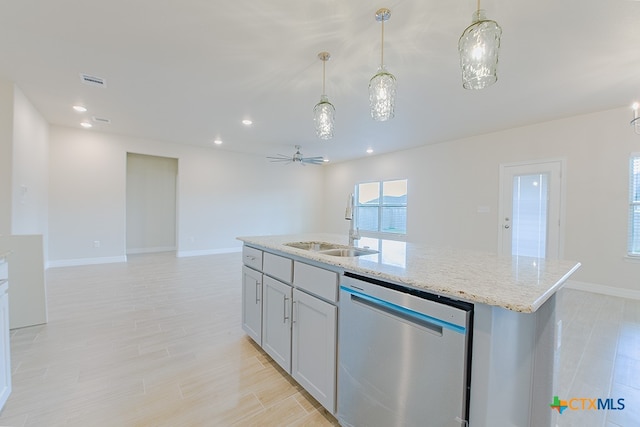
(101, 120)
(93, 80)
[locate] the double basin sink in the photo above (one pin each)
(332, 249)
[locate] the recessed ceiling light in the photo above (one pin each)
(80, 108)
(369, 150)
(86, 125)
(217, 141)
(247, 122)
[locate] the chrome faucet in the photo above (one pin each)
(354, 233)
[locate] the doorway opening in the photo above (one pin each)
(151, 203)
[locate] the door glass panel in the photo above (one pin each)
(530, 215)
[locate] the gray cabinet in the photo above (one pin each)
(276, 321)
(314, 347)
(252, 303)
(289, 309)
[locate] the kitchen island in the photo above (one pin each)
(514, 327)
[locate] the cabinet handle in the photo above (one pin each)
(257, 292)
(251, 258)
(285, 310)
(294, 311)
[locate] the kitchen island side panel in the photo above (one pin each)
(513, 367)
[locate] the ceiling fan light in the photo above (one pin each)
(478, 47)
(382, 95)
(324, 118)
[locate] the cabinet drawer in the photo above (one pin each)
(277, 266)
(252, 257)
(318, 281)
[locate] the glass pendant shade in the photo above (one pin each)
(478, 47)
(635, 122)
(382, 95)
(324, 113)
(382, 86)
(324, 118)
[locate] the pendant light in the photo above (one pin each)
(478, 47)
(636, 120)
(382, 86)
(324, 112)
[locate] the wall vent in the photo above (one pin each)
(93, 80)
(101, 120)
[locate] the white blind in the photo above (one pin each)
(634, 206)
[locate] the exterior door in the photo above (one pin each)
(530, 209)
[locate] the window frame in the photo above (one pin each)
(380, 207)
(634, 203)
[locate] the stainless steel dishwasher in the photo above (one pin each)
(403, 356)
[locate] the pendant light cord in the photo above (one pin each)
(382, 45)
(324, 62)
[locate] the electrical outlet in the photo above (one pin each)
(96, 243)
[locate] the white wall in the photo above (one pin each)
(6, 154)
(448, 181)
(221, 195)
(30, 175)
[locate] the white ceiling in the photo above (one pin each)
(189, 71)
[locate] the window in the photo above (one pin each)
(381, 207)
(634, 206)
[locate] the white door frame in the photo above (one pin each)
(534, 166)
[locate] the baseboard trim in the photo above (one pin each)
(136, 251)
(603, 289)
(85, 261)
(184, 254)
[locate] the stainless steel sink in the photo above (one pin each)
(314, 246)
(331, 249)
(348, 252)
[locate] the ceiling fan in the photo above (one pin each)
(298, 158)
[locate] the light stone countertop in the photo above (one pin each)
(519, 284)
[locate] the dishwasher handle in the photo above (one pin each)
(430, 323)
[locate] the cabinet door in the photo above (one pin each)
(314, 347)
(252, 303)
(5, 354)
(276, 321)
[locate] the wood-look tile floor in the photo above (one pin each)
(157, 341)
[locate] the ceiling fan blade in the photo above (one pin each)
(313, 160)
(279, 158)
(297, 158)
